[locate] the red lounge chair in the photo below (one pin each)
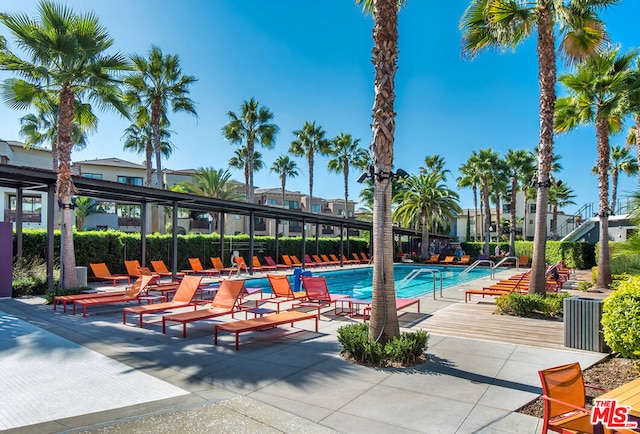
(401, 303)
(197, 268)
(262, 323)
(269, 260)
(131, 294)
(101, 272)
(184, 297)
(282, 291)
(258, 265)
(317, 293)
(308, 262)
(226, 302)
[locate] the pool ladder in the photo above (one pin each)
(415, 273)
(491, 264)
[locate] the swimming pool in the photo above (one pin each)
(356, 282)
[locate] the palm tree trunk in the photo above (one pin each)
(425, 236)
(310, 161)
(283, 180)
(487, 218)
(66, 188)
(155, 127)
(614, 190)
(604, 265)
(148, 158)
(547, 81)
(498, 225)
(346, 190)
(475, 213)
(250, 151)
(384, 319)
(637, 119)
(512, 234)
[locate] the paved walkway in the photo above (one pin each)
(65, 373)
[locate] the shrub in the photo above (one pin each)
(584, 285)
(516, 304)
(61, 291)
(30, 277)
(621, 319)
(408, 348)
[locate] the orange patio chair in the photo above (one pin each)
(282, 291)
(218, 265)
(328, 261)
(131, 294)
(240, 264)
(101, 271)
(346, 260)
(184, 297)
(287, 260)
(308, 262)
(318, 260)
(357, 258)
(523, 261)
(269, 260)
(226, 302)
(564, 400)
(197, 267)
(447, 260)
(334, 258)
(434, 259)
(464, 260)
(160, 268)
(258, 266)
(295, 260)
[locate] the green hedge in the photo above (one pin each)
(113, 247)
(575, 255)
(621, 319)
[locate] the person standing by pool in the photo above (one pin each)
(459, 253)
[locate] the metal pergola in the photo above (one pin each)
(42, 180)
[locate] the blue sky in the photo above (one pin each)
(310, 61)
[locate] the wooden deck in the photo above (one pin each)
(476, 320)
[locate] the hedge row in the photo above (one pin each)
(113, 247)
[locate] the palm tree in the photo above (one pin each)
(384, 318)
(84, 206)
(309, 141)
(434, 164)
(253, 124)
(425, 201)
(138, 137)
(560, 195)
(210, 182)
(497, 190)
(520, 167)
(598, 92)
(42, 127)
(496, 23)
(156, 84)
(66, 55)
(345, 152)
(285, 168)
(241, 162)
(471, 179)
(633, 138)
(484, 161)
(621, 161)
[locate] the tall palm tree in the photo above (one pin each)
(241, 162)
(66, 55)
(157, 83)
(496, 23)
(345, 152)
(621, 161)
(309, 141)
(253, 125)
(84, 207)
(138, 137)
(483, 162)
(520, 167)
(384, 319)
(560, 195)
(434, 164)
(285, 168)
(471, 179)
(498, 190)
(210, 182)
(42, 127)
(598, 92)
(425, 201)
(633, 138)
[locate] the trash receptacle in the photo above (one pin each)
(297, 278)
(582, 324)
(81, 272)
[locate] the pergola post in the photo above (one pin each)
(304, 242)
(19, 217)
(174, 224)
(51, 198)
(252, 225)
(143, 234)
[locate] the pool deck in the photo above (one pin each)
(66, 373)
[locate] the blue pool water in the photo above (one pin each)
(356, 282)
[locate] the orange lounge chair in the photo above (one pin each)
(131, 294)
(295, 260)
(226, 302)
(346, 260)
(328, 261)
(434, 259)
(262, 323)
(269, 260)
(197, 267)
(259, 266)
(218, 265)
(64, 299)
(464, 260)
(357, 258)
(101, 272)
(308, 262)
(523, 261)
(184, 297)
(282, 291)
(564, 400)
(240, 264)
(364, 256)
(447, 260)
(317, 293)
(287, 260)
(133, 269)
(318, 260)
(160, 268)
(401, 303)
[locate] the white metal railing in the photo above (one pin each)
(415, 273)
(476, 263)
(506, 258)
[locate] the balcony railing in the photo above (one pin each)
(129, 221)
(199, 224)
(27, 216)
(260, 226)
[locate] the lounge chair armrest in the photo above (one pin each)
(575, 407)
(596, 387)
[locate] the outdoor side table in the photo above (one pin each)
(258, 311)
(151, 298)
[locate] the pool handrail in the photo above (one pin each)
(516, 258)
(478, 262)
(414, 273)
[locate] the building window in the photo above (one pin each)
(532, 208)
(271, 202)
(315, 208)
(340, 212)
(530, 222)
(31, 209)
(132, 211)
(92, 175)
(292, 204)
(506, 208)
(131, 180)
